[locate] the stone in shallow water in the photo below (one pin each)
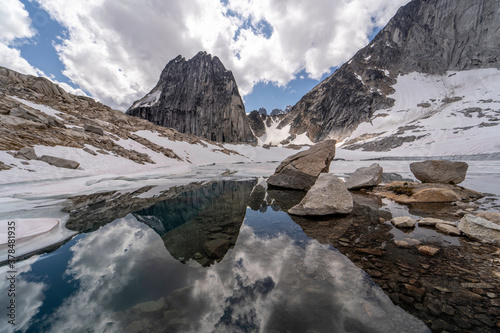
(448, 229)
(481, 229)
(365, 177)
(328, 196)
(300, 171)
(151, 306)
(431, 222)
(403, 222)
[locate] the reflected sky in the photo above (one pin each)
(122, 278)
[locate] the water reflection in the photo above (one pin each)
(269, 277)
(202, 224)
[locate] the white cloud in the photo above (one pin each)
(116, 50)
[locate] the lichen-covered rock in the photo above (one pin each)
(435, 195)
(300, 171)
(365, 177)
(439, 171)
(327, 196)
(480, 229)
(198, 96)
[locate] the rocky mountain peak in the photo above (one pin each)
(425, 36)
(198, 96)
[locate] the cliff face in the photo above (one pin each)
(198, 96)
(426, 36)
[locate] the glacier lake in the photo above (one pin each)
(220, 255)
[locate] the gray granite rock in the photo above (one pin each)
(93, 129)
(198, 96)
(480, 229)
(365, 177)
(301, 170)
(328, 196)
(439, 171)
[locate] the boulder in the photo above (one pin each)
(93, 129)
(365, 177)
(60, 162)
(300, 171)
(439, 171)
(403, 222)
(435, 194)
(27, 153)
(328, 196)
(480, 229)
(150, 306)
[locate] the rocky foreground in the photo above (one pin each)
(450, 281)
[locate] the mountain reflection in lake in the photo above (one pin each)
(203, 262)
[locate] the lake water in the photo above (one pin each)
(209, 257)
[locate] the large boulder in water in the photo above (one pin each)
(439, 171)
(365, 177)
(300, 171)
(328, 196)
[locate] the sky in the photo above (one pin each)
(114, 51)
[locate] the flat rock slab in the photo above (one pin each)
(431, 222)
(448, 229)
(439, 171)
(480, 229)
(93, 129)
(490, 216)
(60, 162)
(403, 222)
(365, 177)
(26, 228)
(300, 171)
(328, 196)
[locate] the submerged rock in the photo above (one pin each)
(480, 229)
(365, 177)
(439, 171)
(300, 171)
(328, 196)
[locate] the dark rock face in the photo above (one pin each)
(427, 36)
(198, 96)
(256, 122)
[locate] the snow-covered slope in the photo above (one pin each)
(433, 115)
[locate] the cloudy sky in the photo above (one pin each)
(115, 50)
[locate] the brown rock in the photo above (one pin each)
(435, 195)
(427, 250)
(300, 171)
(490, 216)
